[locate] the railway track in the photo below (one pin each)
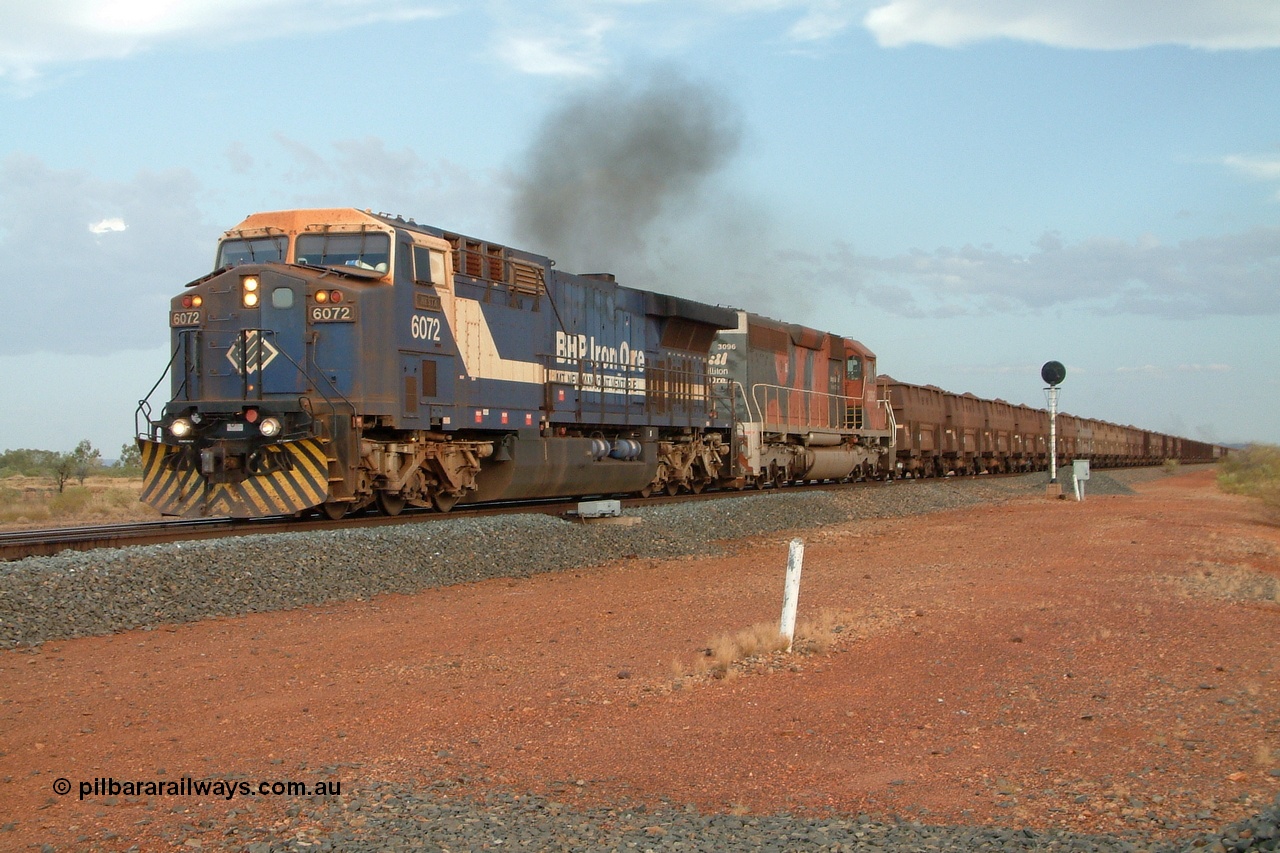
(17, 545)
(45, 542)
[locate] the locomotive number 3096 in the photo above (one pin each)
(425, 328)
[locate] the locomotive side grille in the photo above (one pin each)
(683, 334)
(472, 261)
(527, 278)
(411, 396)
(428, 377)
(763, 337)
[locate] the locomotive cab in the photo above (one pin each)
(265, 366)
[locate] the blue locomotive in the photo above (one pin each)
(340, 358)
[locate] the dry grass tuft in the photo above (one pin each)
(32, 502)
(724, 654)
(1235, 583)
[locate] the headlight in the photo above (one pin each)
(181, 428)
(249, 296)
(269, 427)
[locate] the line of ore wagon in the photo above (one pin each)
(940, 433)
(338, 359)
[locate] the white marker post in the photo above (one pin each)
(791, 593)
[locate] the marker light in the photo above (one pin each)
(249, 296)
(269, 427)
(181, 428)
(335, 296)
(322, 296)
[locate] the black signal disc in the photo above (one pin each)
(1053, 373)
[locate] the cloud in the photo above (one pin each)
(103, 287)
(39, 35)
(818, 20)
(1208, 24)
(1232, 274)
(1261, 169)
(1152, 371)
(555, 46)
(106, 226)
(1257, 168)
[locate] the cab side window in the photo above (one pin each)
(428, 266)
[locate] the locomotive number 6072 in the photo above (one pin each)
(332, 314)
(425, 328)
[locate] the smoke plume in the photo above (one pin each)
(613, 160)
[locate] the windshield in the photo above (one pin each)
(368, 250)
(255, 250)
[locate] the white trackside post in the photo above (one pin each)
(791, 593)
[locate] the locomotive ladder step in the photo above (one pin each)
(335, 470)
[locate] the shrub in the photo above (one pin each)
(70, 502)
(1254, 471)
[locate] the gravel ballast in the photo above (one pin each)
(84, 593)
(389, 817)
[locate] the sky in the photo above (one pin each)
(969, 187)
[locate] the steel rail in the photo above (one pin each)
(43, 542)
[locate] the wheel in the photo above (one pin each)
(334, 510)
(673, 488)
(443, 501)
(390, 504)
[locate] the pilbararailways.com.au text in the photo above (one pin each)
(188, 787)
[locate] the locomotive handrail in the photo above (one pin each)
(753, 416)
(763, 393)
(144, 405)
(673, 395)
(890, 420)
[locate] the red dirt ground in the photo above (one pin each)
(1100, 666)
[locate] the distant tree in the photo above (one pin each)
(63, 468)
(29, 463)
(130, 460)
(85, 459)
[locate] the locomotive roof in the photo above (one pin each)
(805, 336)
(295, 220)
